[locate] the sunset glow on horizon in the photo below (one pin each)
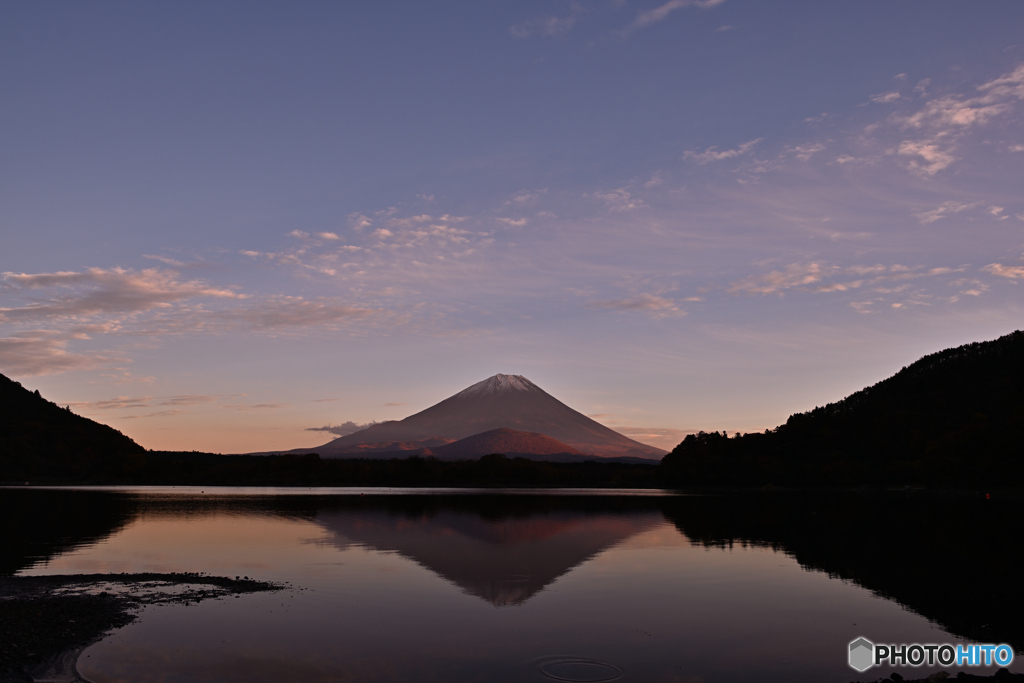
(226, 226)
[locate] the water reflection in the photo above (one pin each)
(503, 559)
(953, 559)
(37, 525)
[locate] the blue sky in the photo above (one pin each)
(223, 223)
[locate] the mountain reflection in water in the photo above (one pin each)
(505, 560)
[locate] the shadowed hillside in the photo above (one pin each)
(955, 417)
(38, 437)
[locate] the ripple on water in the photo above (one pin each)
(577, 669)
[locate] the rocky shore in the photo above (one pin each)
(46, 621)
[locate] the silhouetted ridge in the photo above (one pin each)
(38, 437)
(954, 417)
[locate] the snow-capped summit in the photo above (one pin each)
(499, 384)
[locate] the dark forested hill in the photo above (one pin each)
(39, 438)
(955, 417)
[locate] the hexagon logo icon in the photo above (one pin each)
(862, 654)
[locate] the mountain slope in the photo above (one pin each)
(505, 441)
(39, 438)
(954, 417)
(509, 401)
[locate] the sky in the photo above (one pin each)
(227, 225)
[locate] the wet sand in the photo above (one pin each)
(47, 621)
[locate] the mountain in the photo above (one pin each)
(506, 441)
(952, 418)
(39, 438)
(501, 401)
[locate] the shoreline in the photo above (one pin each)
(46, 622)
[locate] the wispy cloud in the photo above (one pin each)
(165, 260)
(109, 295)
(617, 200)
(816, 278)
(712, 153)
(359, 222)
(934, 155)
(806, 151)
(343, 429)
(80, 306)
(130, 402)
(45, 352)
(943, 121)
(947, 208)
(99, 290)
(187, 400)
(159, 413)
(1012, 272)
(255, 406)
(648, 303)
(953, 110)
(925, 135)
(295, 311)
(886, 98)
(661, 12)
(524, 198)
(777, 281)
(117, 403)
(548, 25)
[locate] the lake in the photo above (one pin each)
(442, 585)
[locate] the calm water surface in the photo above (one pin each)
(437, 586)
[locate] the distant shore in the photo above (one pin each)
(211, 469)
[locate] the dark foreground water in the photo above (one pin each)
(503, 586)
